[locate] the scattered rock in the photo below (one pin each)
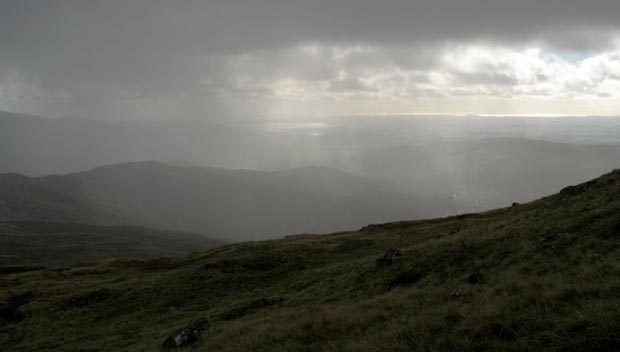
(457, 294)
(187, 336)
(250, 307)
(475, 277)
(504, 255)
(576, 190)
(406, 278)
(86, 299)
(545, 247)
(391, 259)
(515, 204)
(545, 243)
(597, 257)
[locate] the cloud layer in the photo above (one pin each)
(161, 59)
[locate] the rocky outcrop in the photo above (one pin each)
(391, 259)
(187, 336)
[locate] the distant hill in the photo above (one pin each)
(470, 164)
(42, 243)
(226, 204)
(36, 146)
(541, 276)
(493, 172)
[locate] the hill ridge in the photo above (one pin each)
(227, 204)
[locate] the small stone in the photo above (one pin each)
(597, 257)
(544, 247)
(475, 277)
(187, 336)
(457, 294)
(391, 259)
(577, 190)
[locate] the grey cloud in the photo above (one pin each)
(486, 78)
(238, 25)
(99, 50)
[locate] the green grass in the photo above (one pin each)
(549, 280)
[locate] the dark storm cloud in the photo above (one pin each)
(106, 51)
(240, 25)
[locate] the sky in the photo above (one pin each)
(218, 59)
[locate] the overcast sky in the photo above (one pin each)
(210, 59)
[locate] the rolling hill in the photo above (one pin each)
(226, 204)
(538, 276)
(491, 162)
(475, 160)
(35, 146)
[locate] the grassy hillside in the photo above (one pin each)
(538, 276)
(42, 243)
(227, 204)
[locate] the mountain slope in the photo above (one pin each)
(227, 204)
(538, 276)
(40, 243)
